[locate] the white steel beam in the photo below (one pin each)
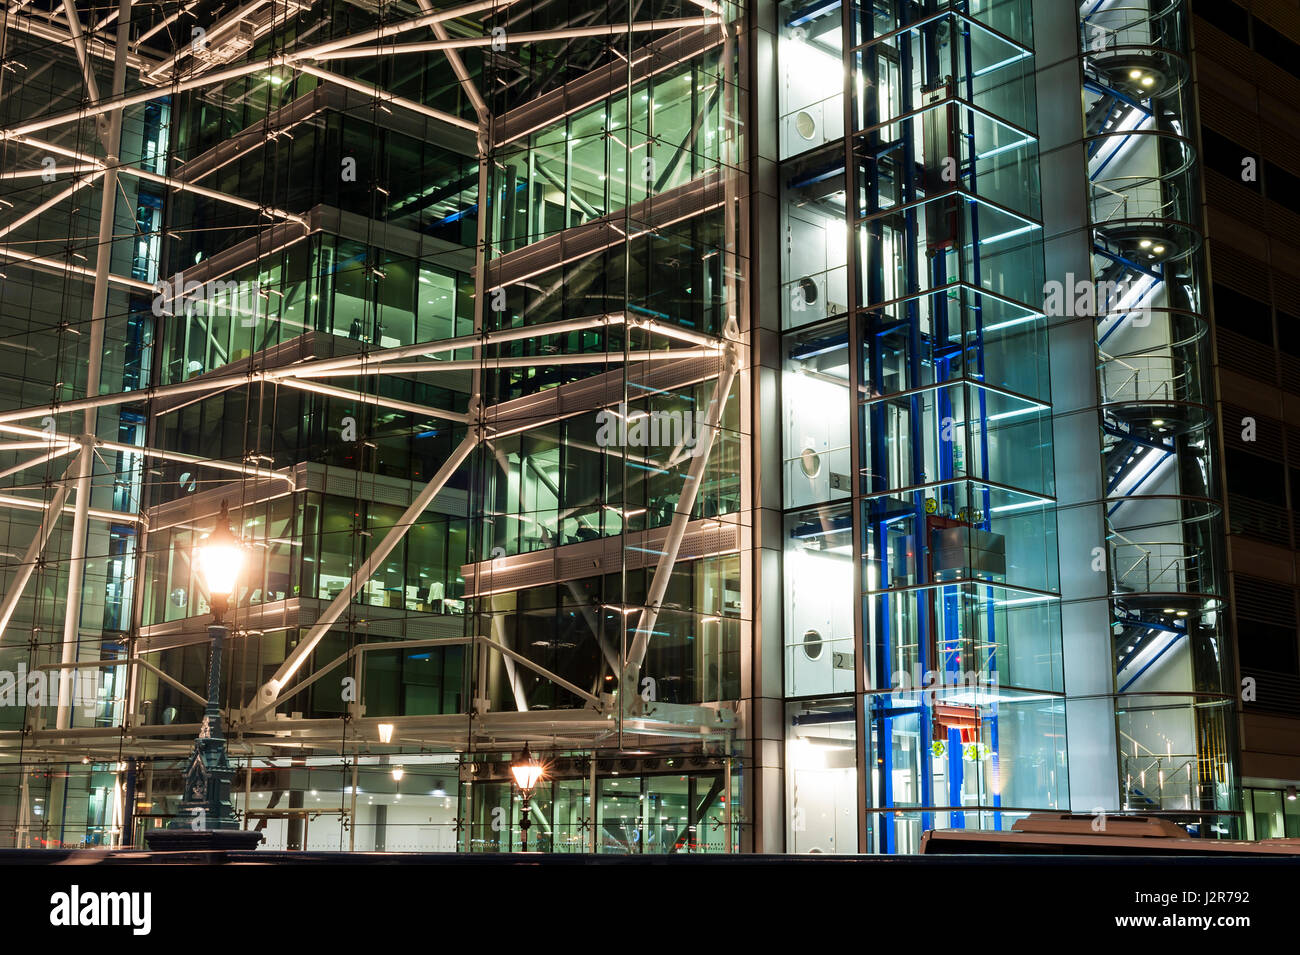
(178, 185)
(466, 81)
(30, 504)
(111, 134)
(182, 458)
(510, 39)
(403, 26)
(527, 361)
(369, 89)
(361, 364)
(79, 270)
(378, 400)
(179, 457)
(56, 34)
(87, 71)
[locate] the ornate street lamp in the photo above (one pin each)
(528, 772)
(207, 817)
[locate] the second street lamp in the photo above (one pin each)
(528, 772)
(207, 817)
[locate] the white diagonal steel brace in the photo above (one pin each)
(357, 364)
(87, 71)
(270, 691)
(526, 361)
(49, 203)
(291, 60)
(681, 518)
(177, 456)
(128, 662)
(31, 504)
(179, 185)
(369, 89)
(34, 551)
(462, 74)
(39, 459)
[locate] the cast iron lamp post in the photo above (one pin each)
(528, 773)
(207, 817)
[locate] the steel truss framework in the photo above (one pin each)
(148, 65)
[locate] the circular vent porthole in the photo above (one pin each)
(808, 288)
(805, 125)
(810, 462)
(812, 645)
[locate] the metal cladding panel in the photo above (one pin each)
(968, 548)
(600, 391)
(593, 558)
(657, 212)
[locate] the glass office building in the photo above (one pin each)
(792, 419)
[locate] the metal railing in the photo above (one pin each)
(1143, 199)
(1146, 378)
(1160, 782)
(1154, 567)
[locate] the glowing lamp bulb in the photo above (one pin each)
(527, 771)
(221, 557)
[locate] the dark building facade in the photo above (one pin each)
(798, 422)
(1245, 56)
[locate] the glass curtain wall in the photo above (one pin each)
(616, 482)
(932, 589)
(1164, 520)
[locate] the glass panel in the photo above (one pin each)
(822, 777)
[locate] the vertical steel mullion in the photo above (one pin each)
(861, 730)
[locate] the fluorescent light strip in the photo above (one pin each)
(1002, 149)
(997, 66)
(1023, 505)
